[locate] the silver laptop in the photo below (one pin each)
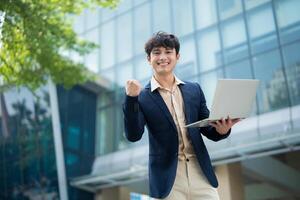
(233, 98)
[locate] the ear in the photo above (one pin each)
(178, 56)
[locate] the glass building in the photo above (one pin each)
(244, 39)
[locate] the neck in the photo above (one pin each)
(165, 81)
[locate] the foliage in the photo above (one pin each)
(37, 35)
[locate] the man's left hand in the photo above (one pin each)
(222, 126)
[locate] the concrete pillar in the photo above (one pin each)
(115, 193)
(231, 186)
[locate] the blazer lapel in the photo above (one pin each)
(160, 102)
(186, 99)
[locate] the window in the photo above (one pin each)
(208, 83)
(262, 28)
(292, 63)
(107, 47)
(142, 25)
(272, 94)
(206, 13)
(161, 20)
(124, 37)
(234, 39)
(183, 21)
(288, 18)
(209, 49)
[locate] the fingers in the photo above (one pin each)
(133, 87)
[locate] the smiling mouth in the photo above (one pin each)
(163, 64)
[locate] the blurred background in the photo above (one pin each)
(78, 133)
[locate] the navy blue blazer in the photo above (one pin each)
(150, 109)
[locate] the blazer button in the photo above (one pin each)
(187, 160)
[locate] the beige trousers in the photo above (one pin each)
(191, 184)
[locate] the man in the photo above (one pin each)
(179, 164)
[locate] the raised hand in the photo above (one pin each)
(133, 88)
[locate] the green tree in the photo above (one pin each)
(35, 36)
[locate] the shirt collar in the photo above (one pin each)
(155, 84)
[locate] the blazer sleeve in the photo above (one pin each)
(134, 120)
(208, 131)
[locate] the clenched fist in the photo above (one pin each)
(133, 88)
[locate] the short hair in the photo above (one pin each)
(162, 39)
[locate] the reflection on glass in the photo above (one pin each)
(292, 63)
(262, 28)
(229, 8)
(239, 70)
(91, 60)
(78, 24)
(142, 27)
(27, 161)
(109, 74)
(187, 52)
(234, 40)
(288, 17)
(161, 20)
(185, 71)
(106, 130)
(124, 37)
(124, 73)
(272, 94)
(183, 20)
(92, 18)
(208, 83)
(143, 68)
(209, 49)
(249, 4)
(124, 6)
(206, 13)
(107, 47)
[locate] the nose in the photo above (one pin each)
(162, 56)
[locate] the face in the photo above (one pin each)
(163, 60)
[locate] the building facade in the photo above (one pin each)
(244, 39)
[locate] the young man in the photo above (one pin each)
(179, 164)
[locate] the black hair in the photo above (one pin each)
(162, 39)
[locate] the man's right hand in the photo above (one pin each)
(133, 88)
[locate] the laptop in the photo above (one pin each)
(233, 98)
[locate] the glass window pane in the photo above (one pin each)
(142, 68)
(249, 4)
(91, 60)
(91, 18)
(208, 83)
(209, 49)
(188, 52)
(161, 20)
(124, 72)
(109, 74)
(239, 70)
(234, 40)
(79, 22)
(106, 130)
(124, 37)
(124, 6)
(288, 17)
(106, 14)
(292, 64)
(206, 13)
(185, 71)
(142, 25)
(229, 8)
(272, 94)
(107, 45)
(183, 21)
(262, 28)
